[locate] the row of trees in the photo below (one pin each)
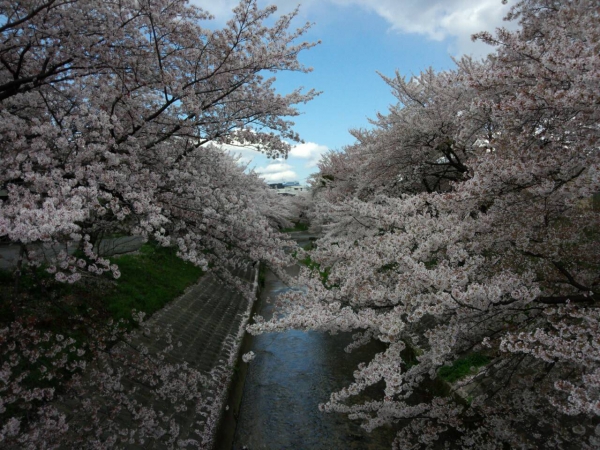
(112, 118)
(106, 112)
(463, 222)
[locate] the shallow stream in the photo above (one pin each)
(292, 373)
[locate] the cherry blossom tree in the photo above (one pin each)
(424, 142)
(498, 256)
(113, 390)
(113, 116)
(107, 108)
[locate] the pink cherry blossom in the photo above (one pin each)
(464, 221)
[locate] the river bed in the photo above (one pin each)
(291, 374)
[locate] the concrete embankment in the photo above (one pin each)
(209, 321)
(206, 325)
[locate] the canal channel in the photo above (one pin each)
(278, 393)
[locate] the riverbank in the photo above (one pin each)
(209, 321)
(206, 325)
(275, 400)
(231, 409)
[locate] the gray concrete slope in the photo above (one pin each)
(206, 321)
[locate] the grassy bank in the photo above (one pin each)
(79, 317)
(298, 226)
(149, 280)
(463, 367)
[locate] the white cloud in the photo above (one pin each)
(441, 19)
(244, 160)
(310, 151)
(243, 155)
(273, 168)
(277, 171)
(287, 175)
(221, 9)
(437, 19)
(301, 157)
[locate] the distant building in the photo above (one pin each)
(289, 188)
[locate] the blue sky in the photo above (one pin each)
(358, 39)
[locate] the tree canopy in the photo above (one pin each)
(462, 224)
(107, 109)
(113, 119)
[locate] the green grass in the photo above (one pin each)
(315, 267)
(309, 246)
(262, 275)
(298, 226)
(463, 367)
(149, 280)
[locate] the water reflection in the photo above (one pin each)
(292, 373)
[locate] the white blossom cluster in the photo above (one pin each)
(96, 378)
(113, 116)
(463, 223)
(105, 130)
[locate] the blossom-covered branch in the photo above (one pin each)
(464, 222)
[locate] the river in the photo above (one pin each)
(292, 373)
